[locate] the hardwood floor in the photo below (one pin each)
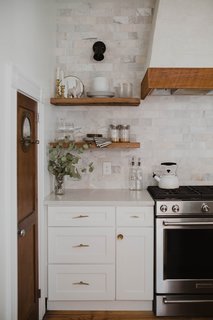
(110, 315)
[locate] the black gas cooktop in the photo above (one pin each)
(187, 193)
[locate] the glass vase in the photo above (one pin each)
(59, 185)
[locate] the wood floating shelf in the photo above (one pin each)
(92, 145)
(98, 101)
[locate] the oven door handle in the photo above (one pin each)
(166, 301)
(196, 223)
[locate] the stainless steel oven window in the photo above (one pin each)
(188, 253)
(184, 251)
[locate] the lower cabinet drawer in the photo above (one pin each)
(81, 282)
(135, 216)
(81, 245)
(81, 216)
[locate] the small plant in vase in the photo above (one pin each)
(65, 162)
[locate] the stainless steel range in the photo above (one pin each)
(183, 251)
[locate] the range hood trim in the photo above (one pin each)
(176, 78)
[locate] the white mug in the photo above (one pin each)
(100, 84)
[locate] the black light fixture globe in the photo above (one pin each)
(99, 48)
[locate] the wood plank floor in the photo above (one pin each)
(110, 315)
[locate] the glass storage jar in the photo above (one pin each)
(124, 133)
(114, 133)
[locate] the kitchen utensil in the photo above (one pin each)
(168, 179)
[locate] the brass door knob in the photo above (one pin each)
(120, 236)
(21, 233)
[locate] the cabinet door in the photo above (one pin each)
(81, 245)
(134, 274)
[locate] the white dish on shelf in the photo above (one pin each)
(101, 94)
(73, 87)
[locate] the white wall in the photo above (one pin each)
(5, 286)
(25, 63)
(183, 34)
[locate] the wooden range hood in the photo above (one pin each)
(182, 81)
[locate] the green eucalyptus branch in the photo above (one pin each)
(65, 161)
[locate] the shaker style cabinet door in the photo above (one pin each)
(134, 261)
(134, 253)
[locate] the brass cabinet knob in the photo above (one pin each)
(120, 236)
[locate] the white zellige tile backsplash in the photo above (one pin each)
(169, 128)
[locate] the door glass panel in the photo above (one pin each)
(188, 254)
(26, 132)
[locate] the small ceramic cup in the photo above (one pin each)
(100, 84)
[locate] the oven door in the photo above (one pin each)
(184, 255)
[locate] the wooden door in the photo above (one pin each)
(28, 293)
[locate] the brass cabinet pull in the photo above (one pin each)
(120, 236)
(81, 216)
(81, 245)
(81, 283)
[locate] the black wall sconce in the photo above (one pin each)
(99, 48)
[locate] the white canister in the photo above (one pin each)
(100, 84)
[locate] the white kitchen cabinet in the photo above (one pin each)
(81, 253)
(134, 254)
(100, 255)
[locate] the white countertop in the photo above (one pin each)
(101, 197)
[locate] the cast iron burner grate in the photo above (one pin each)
(182, 193)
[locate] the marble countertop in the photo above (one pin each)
(101, 197)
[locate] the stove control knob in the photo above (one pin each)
(163, 208)
(175, 208)
(205, 207)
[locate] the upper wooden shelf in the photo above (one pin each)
(133, 102)
(92, 145)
